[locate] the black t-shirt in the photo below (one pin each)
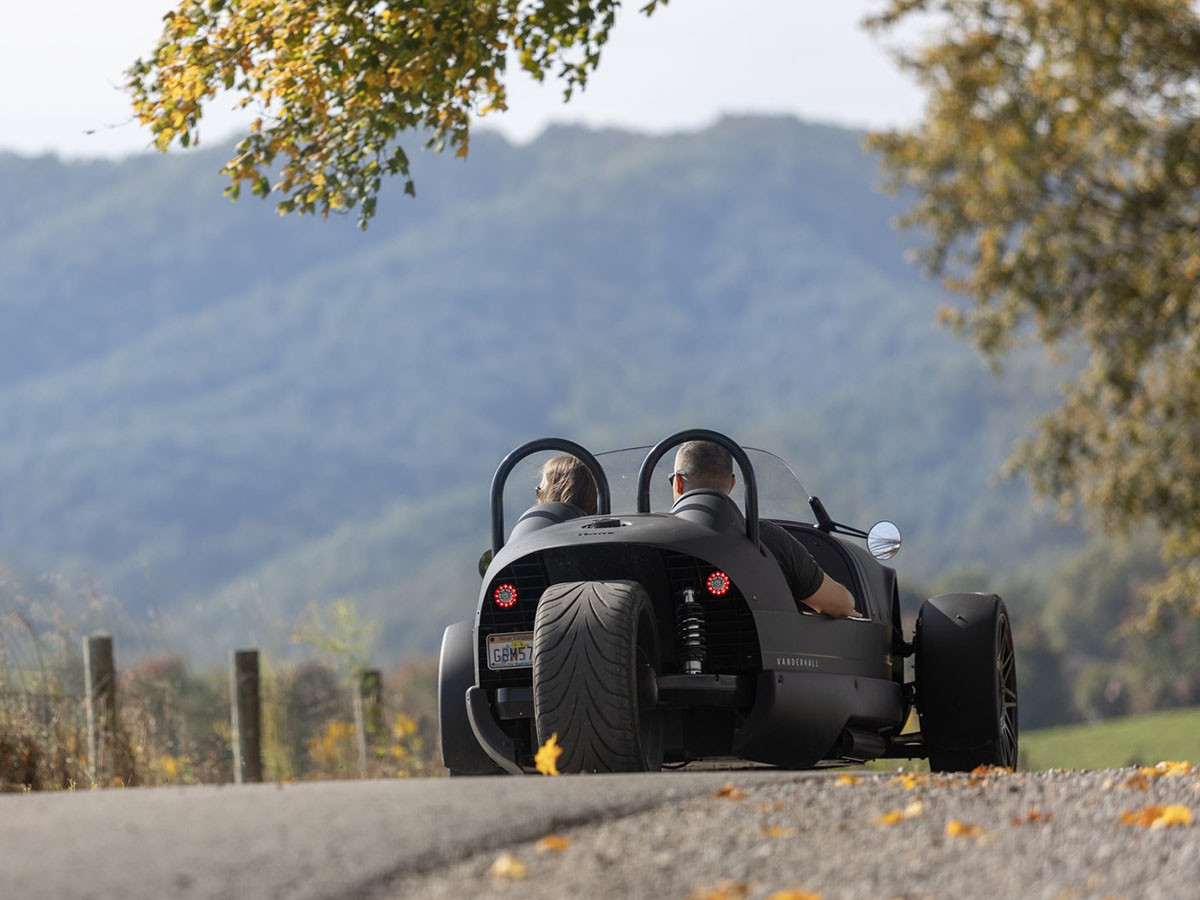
(803, 574)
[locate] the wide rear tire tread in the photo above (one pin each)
(585, 675)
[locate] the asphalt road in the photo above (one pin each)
(1052, 835)
(316, 840)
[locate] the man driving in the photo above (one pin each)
(705, 465)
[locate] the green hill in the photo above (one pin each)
(1144, 740)
(224, 416)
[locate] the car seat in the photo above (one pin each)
(543, 515)
(712, 509)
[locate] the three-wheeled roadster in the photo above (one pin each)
(644, 638)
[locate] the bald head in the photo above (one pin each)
(705, 465)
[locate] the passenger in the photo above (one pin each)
(703, 464)
(561, 479)
(564, 479)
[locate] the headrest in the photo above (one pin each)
(543, 515)
(712, 509)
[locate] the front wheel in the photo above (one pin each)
(596, 660)
(966, 671)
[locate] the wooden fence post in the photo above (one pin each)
(100, 688)
(368, 713)
(246, 713)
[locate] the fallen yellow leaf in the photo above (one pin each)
(730, 792)
(547, 756)
(1138, 782)
(955, 828)
(508, 866)
(724, 890)
(848, 779)
(793, 894)
(1173, 815)
(553, 843)
(991, 770)
(775, 831)
(770, 807)
(895, 816)
(1158, 816)
(1168, 769)
(910, 780)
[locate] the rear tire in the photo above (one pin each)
(595, 662)
(966, 682)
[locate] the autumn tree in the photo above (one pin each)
(1057, 180)
(337, 82)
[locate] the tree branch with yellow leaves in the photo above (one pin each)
(336, 84)
(1057, 179)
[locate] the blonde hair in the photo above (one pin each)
(564, 479)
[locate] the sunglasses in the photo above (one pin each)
(671, 477)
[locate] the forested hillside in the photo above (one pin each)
(223, 416)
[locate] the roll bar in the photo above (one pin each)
(603, 498)
(659, 450)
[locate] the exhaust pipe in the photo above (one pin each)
(859, 745)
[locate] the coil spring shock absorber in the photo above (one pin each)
(689, 628)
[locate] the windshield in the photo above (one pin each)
(780, 493)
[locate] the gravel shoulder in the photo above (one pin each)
(669, 835)
(1039, 835)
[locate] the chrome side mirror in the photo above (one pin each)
(883, 540)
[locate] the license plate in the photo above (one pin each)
(510, 651)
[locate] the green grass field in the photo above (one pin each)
(1137, 740)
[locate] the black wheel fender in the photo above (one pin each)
(960, 695)
(461, 752)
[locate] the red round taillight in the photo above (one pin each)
(718, 584)
(505, 596)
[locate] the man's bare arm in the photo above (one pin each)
(831, 599)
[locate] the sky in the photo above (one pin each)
(693, 61)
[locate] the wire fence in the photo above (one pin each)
(165, 722)
(162, 723)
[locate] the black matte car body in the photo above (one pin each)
(773, 683)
